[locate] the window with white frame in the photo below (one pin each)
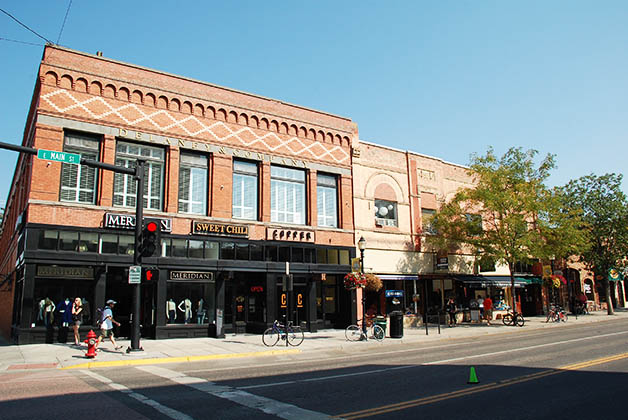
(78, 182)
(385, 213)
(327, 200)
(192, 183)
(244, 204)
(124, 185)
(287, 191)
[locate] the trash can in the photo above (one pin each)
(396, 324)
(381, 321)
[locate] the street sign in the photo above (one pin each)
(64, 157)
(135, 274)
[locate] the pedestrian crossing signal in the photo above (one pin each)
(151, 275)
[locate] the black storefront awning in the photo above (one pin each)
(490, 281)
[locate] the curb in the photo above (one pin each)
(182, 359)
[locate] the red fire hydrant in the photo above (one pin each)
(91, 344)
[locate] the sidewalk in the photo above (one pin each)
(58, 355)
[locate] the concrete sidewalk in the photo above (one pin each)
(39, 356)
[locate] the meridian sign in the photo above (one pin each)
(64, 157)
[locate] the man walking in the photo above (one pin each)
(106, 324)
(488, 309)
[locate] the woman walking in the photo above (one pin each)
(77, 314)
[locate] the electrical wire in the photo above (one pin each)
(21, 42)
(64, 19)
(15, 19)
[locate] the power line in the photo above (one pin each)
(15, 19)
(64, 19)
(21, 42)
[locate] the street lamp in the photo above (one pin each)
(362, 247)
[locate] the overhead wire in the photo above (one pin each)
(21, 24)
(21, 42)
(64, 19)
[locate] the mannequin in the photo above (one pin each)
(171, 311)
(65, 312)
(49, 312)
(187, 303)
(201, 312)
(40, 314)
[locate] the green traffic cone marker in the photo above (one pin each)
(473, 378)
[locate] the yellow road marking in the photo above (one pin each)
(468, 391)
(162, 360)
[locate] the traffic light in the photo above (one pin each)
(151, 238)
(150, 275)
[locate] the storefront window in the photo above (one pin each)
(109, 243)
(49, 239)
(257, 252)
(196, 249)
(88, 242)
(321, 256)
(227, 250)
(68, 241)
(190, 303)
(297, 254)
(343, 257)
(211, 250)
(284, 253)
(242, 251)
(271, 253)
(126, 245)
(178, 248)
(332, 256)
(308, 255)
(50, 299)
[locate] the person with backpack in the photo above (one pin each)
(106, 324)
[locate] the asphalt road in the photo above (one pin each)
(571, 372)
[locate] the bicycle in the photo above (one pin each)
(556, 314)
(514, 319)
(354, 332)
(292, 334)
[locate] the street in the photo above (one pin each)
(571, 372)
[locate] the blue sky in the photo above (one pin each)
(442, 78)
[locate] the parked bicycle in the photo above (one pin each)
(513, 319)
(355, 333)
(292, 334)
(556, 314)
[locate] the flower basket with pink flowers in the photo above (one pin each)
(354, 280)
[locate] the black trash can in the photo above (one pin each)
(396, 324)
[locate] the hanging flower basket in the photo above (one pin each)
(354, 280)
(373, 282)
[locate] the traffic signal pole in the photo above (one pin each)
(138, 174)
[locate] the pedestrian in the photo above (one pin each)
(77, 315)
(480, 302)
(106, 324)
(488, 310)
(451, 311)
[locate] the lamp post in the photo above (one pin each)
(361, 247)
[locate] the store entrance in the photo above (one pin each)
(245, 303)
(119, 289)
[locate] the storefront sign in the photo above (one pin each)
(257, 289)
(127, 221)
(291, 235)
(442, 263)
(299, 300)
(65, 272)
(192, 275)
(220, 229)
(394, 293)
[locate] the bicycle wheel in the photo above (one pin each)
(353, 333)
(520, 320)
(295, 336)
(270, 337)
(507, 319)
(565, 317)
(378, 333)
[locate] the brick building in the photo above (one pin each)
(241, 184)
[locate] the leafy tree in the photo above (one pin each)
(605, 210)
(509, 215)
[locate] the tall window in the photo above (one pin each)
(327, 198)
(193, 184)
(287, 190)
(426, 216)
(124, 186)
(244, 190)
(385, 213)
(78, 182)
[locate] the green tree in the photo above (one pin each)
(509, 215)
(605, 210)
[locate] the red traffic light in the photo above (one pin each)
(151, 226)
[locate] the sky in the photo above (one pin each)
(442, 78)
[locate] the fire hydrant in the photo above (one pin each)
(91, 344)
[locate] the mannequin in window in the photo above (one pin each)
(171, 311)
(49, 312)
(65, 312)
(40, 314)
(201, 312)
(187, 309)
